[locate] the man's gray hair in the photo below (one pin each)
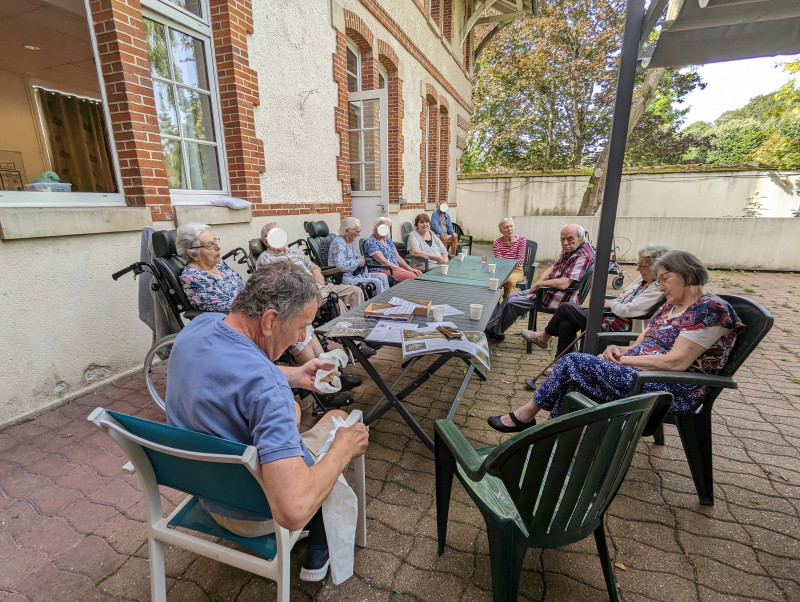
(652, 251)
(686, 265)
(282, 286)
(348, 223)
(265, 228)
(187, 237)
(581, 230)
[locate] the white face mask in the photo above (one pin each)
(444, 207)
(383, 230)
(277, 238)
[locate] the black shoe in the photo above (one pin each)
(519, 426)
(316, 563)
(366, 350)
(334, 401)
(350, 381)
(495, 337)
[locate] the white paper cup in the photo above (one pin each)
(492, 266)
(438, 313)
(462, 255)
(475, 311)
(494, 283)
(444, 268)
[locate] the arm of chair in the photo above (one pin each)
(677, 378)
(369, 264)
(460, 448)
(576, 401)
(604, 339)
(528, 281)
(410, 261)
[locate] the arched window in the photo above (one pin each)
(353, 67)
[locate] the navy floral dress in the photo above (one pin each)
(206, 292)
(602, 380)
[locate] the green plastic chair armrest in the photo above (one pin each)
(577, 401)
(689, 378)
(471, 462)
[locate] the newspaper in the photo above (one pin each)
(430, 340)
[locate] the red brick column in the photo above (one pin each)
(232, 21)
(394, 90)
(444, 151)
(122, 50)
(429, 147)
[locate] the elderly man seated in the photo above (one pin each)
(577, 255)
(223, 382)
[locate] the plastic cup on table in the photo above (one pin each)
(475, 311)
(438, 313)
(494, 283)
(462, 255)
(484, 260)
(444, 268)
(492, 267)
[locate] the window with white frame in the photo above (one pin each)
(179, 47)
(353, 68)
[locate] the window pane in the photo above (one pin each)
(381, 81)
(196, 114)
(165, 108)
(174, 163)
(372, 176)
(203, 168)
(188, 60)
(354, 115)
(352, 83)
(372, 113)
(355, 146)
(353, 71)
(355, 177)
(192, 6)
(155, 36)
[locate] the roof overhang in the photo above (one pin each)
(695, 32)
(503, 12)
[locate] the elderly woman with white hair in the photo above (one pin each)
(343, 253)
(380, 247)
(209, 284)
(510, 246)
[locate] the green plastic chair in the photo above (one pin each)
(464, 240)
(583, 287)
(224, 472)
(548, 486)
(695, 429)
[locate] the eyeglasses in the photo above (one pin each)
(639, 264)
(663, 278)
(209, 246)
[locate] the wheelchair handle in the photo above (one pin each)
(130, 268)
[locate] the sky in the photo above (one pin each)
(732, 84)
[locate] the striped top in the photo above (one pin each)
(516, 250)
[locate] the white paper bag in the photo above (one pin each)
(338, 358)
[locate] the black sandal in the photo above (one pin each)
(519, 426)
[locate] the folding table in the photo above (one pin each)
(456, 295)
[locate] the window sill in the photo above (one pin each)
(211, 214)
(61, 200)
(21, 222)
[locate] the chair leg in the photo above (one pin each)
(695, 433)
(605, 561)
(158, 582)
(658, 435)
(531, 321)
(445, 471)
(507, 549)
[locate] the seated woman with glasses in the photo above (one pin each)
(692, 332)
(209, 284)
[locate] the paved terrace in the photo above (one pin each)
(71, 523)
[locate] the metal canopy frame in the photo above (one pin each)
(694, 32)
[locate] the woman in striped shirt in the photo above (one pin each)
(510, 246)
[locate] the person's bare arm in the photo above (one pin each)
(296, 491)
(302, 377)
(316, 272)
(379, 258)
(682, 355)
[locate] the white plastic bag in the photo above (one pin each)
(338, 358)
(340, 512)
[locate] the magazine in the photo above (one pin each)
(430, 340)
(352, 327)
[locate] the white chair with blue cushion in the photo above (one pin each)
(224, 472)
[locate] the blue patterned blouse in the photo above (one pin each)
(373, 245)
(206, 292)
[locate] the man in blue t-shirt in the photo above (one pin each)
(222, 381)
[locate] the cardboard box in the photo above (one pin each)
(422, 311)
(369, 310)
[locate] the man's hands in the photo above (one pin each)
(354, 439)
(302, 377)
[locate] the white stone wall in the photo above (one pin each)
(482, 203)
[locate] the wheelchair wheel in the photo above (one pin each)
(155, 369)
(617, 282)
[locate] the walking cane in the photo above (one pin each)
(531, 382)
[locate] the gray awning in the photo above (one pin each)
(696, 32)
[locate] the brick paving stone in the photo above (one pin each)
(132, 580)
(20, 518)
(50, 583)
(91, 556)
(49, 499)
(85, 516)
(116, 493)
(123, 534)
(53, 537)
(420, 583)
(18, 562)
